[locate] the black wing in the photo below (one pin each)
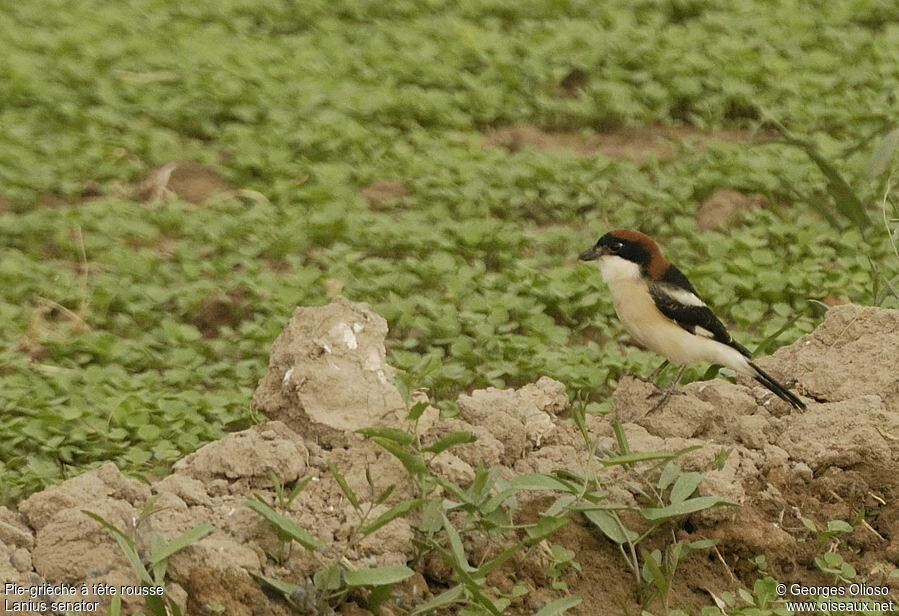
(676, 298)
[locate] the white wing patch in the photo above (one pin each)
(681, 296)
(701, 331)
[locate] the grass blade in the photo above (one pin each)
(767, 345)
(847, 202)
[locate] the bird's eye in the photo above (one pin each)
(616, 246)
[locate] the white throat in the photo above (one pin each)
(615, 268)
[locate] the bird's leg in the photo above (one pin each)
(666, 393)
(655, 373)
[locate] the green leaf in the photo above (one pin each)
(160, 606)
(621, 438)
(417, 411)
(544, 527)
(285, 588)
(769, 344)
(444, 599)
(458, 551)
(329, 577)
(115, 606)
(431, 513)
(413, 464)
(344, 486)
(765, 590)
(610, 527)
(297, 489)
(883, 154)
(450, 440)
(291, 528)
(640, 456)
(501, 558)
(385, 494)
(669, 474)
(495, 501)
(378, 596)
(390, 515)
(378, 576)
(702, 544)
(470, 584)
(559, 606)
(653, 570)
(685, 485)
(180, 542)
(684, 508)
(839, 526)
(393, 434)
(149, 432)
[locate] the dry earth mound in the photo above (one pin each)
(328, 376)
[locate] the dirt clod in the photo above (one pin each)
(221, 309)
(328, 372)
(724, 206)
(188, 181)
(378, 194)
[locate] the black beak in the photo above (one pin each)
(592, 254)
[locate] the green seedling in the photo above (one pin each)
(150, 568)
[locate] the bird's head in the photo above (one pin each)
(626, 254)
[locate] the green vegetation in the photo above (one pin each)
(302, 104)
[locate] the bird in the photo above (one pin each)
(662, 311)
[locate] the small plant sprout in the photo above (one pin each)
(335, 579)
(667, 494)
(150, 568)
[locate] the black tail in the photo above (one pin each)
(779, 390)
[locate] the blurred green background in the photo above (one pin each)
(444, 161)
